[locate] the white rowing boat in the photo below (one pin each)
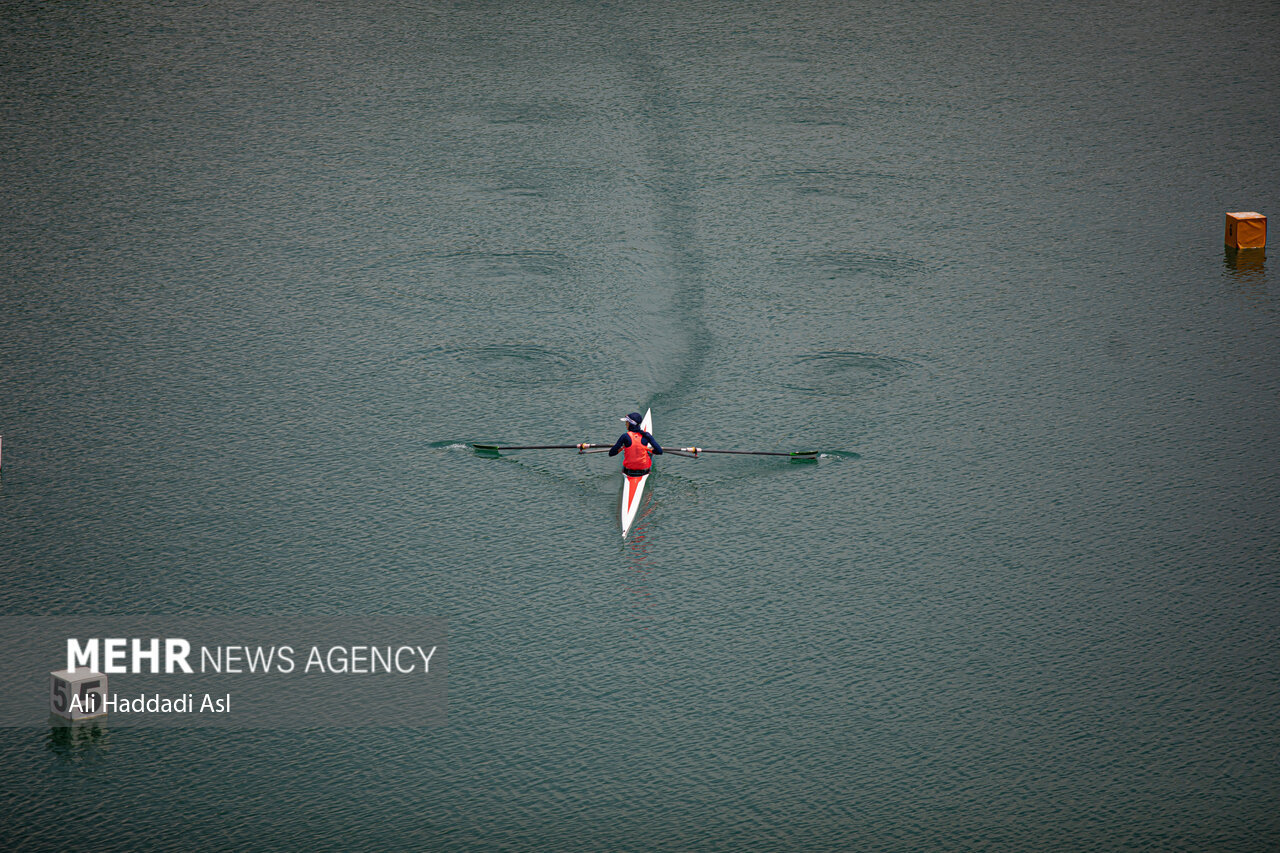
(633, 487)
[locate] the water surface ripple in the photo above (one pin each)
(266, 268)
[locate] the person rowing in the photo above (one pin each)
(639, 447)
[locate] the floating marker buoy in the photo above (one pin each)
(1246, 230)
(78, 694)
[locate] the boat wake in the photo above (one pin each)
(449, 445)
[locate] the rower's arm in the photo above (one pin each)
(653, 442)
(623, 441)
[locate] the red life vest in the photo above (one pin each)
(636, 457)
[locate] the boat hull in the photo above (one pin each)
(633, 487)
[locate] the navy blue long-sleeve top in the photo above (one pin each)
(625, 441)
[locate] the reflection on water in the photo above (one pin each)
(1245, 265)
(77, 743)
(1245, 272)
(636, 581)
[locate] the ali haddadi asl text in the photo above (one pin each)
(152, 704)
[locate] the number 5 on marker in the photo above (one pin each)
(77, 695)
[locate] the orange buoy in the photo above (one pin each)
(1246, 230)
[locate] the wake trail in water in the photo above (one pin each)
(683, 351)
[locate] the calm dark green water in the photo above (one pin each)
(266, 267)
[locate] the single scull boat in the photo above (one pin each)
(633, 487)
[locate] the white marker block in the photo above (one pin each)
(79, 694)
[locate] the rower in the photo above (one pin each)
(636, 460)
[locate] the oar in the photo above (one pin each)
(794, 454)
(578, 447)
